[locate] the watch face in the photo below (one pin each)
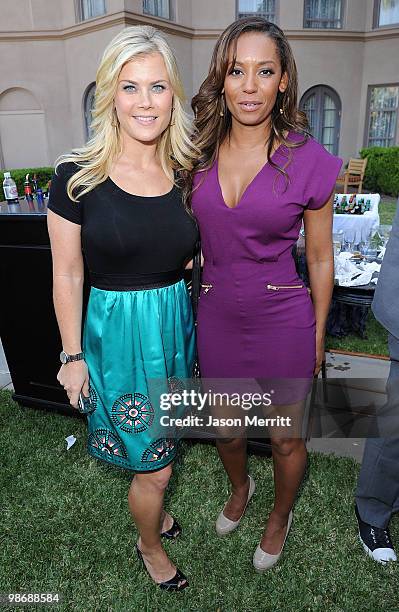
(63, 357)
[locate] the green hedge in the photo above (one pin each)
(382, 172)
(43, 176)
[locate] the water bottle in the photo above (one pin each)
(40, 199)
(11, 193)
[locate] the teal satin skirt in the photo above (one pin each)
(137, 344)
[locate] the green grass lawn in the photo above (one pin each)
(376, 341)
(66, 528)
(387, 210)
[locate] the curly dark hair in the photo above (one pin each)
(211, 128)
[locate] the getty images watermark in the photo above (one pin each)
(271, 407)
(217, 402)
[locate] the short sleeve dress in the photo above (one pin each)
(255, 316)
(138, 330)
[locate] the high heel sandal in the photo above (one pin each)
(173, 532)
(177, 583)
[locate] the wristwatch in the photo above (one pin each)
(65, 358)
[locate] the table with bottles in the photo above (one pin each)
(34, 200)
(356, 217)
(350, 304)
(24, 208)
(356, 270)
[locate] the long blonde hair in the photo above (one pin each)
(175, 148)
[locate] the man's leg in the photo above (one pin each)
(377, 494)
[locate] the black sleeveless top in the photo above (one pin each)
(128, 241)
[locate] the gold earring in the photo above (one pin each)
(224, 105)
(282, 109)
(114, 120)
(171, 115)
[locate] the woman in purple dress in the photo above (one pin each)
(259, 175)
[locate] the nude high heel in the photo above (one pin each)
(224, 525)
(262, 560)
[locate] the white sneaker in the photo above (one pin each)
(376, 541)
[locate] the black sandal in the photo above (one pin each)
(173, 532)
(177, 583)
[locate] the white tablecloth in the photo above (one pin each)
(358, 228)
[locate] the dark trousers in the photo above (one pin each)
(377, 494)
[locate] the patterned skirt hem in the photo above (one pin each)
(125, 466)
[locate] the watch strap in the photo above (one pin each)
(65, 358)
(77, 357)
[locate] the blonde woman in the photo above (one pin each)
(117, 199)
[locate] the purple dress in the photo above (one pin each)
(255, 316)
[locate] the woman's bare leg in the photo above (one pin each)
(289, 465)
(146, 496)
(233, 454)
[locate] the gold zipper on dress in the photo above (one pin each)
(206, 287)
(277, 287)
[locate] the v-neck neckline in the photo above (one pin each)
(249, 184)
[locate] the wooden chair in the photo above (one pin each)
(353, 175)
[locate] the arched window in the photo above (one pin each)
(88, 104)
(323, 108)
(21, 114)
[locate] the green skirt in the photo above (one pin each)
(137, 344)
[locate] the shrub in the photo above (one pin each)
(43, 176)
(382, 172)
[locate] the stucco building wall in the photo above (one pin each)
(48, 52)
